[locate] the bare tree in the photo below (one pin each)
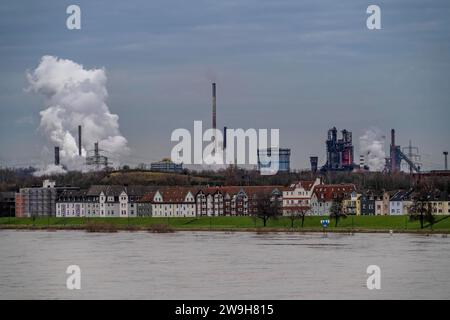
(421, 208)
(337, 210)
(298, 213)
(267, 206)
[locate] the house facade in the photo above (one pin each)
(297, 197)
(367, 203)
(100, 201)
(325, 194)
(208, 201)
(382, 204)
(400, 202)
(171, 202)
(352, 203)
(440, 203)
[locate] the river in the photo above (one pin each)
(220, 265)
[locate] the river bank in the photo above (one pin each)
(355, 224)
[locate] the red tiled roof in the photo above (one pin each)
(148, 197)
(169, 195)
(305, 184)
(328, 192)
(178, 194)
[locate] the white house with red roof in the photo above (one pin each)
(324, 195)
(169, 202)
(297, 197)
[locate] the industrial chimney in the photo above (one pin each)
(445, 160)
(314, 161)
(56, 156)
(79, 141)
(393, 152)
(362, 161)
(224, 138)
(96, 149)
(214, 106)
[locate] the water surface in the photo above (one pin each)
(219, 265)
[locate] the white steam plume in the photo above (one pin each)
(371, 145)
(75, 96)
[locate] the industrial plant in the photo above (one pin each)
(95, 159)
(393, 163)
(339, 153)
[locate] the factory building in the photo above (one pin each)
(166, 165)
(396, 156)
(283, 160)
(339, 151)
(39, 201)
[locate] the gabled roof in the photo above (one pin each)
(116, 190)
(169, 195)
(72, 195)
(252, 190)
(439, 196)
(305, 184)
(232, 190)
(401, 195)
(148, 197)
(174, 195)
(328, 192)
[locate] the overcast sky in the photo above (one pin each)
(300, 66)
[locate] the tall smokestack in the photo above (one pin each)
(362, 161)
(445, 160)
(392, 137)
(56, 156)
(393, 152)
(224, 138)
(313, 161)
(79, 141)
(214, 106)
(96, 149)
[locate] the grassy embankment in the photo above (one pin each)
(356, 224)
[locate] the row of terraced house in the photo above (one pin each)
(308, 197)
(133, 201)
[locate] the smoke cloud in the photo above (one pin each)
(372, 147)
(75, 96)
